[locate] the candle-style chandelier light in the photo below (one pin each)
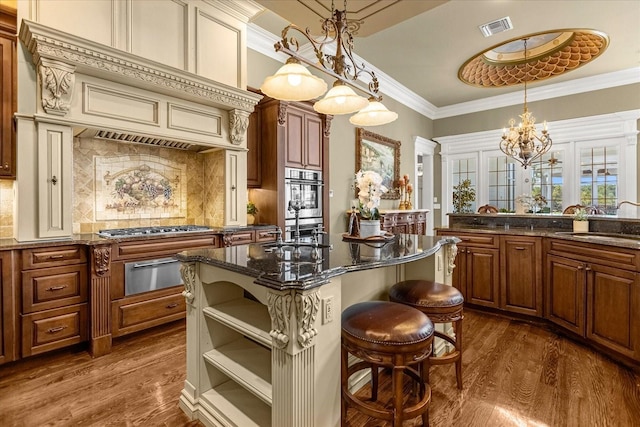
(522, 143)
(293, 82)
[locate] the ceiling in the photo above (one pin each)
(421, 44)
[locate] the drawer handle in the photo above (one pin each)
(172, 305)
(518, 248)
(56, 288)
(56, 256)
(56, 329)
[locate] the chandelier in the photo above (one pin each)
(293, 82)
(522, 143)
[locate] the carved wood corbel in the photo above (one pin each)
(188, 273)
(279, 306)
(307, 307)
(452, 252)
(238, 124)
(57, 80)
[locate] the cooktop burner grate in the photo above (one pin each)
(146, 231)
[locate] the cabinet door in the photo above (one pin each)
(313, 142)
(613, 309)
(7, 108)
(55, 149)
(254, 155)
(459, 275)
(295, 128)
(521, 271)
(565, 289)
(482, 278)
(7, 311)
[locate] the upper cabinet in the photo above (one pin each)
(303, 139)
(7, 90)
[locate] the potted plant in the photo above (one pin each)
(370, 189)
(580, 221)
(252, 210)
(463, 195)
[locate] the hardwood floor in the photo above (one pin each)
(515, 374)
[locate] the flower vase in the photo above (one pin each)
(369, 253)
(580, 226)
(251, 219)
(369, 228)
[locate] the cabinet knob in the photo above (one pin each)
(6, 165)
(54, 180)
(588, 268)
(580, 267)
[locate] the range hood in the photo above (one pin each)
(107, 93)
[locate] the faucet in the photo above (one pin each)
(627, 202)
(295, 206)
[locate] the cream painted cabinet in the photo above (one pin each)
(55, 147)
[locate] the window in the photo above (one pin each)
(599, 178)
(547, 181)
(502, 183)
(465, 169)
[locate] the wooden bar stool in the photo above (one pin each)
(386, 335)
(443, 304)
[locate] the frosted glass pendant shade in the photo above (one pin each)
(293, 82)
(374, 114)
(341, 99)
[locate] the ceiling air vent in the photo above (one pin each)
(140, 139)
(495, 27)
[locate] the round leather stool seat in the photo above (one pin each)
(386, 334)
(443, 304)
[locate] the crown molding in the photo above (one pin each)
(556, 90)
(262, 41)
(614, 125)
(243, 10)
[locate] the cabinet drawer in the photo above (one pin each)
(265, 235)
(239, 238)
(138, 313)
(628, 259)
(53, 256)
(53, 287)
(51, 329)
(165, 246)
(477, 240)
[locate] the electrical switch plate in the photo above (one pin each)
(327, 310)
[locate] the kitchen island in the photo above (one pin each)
(263, 322)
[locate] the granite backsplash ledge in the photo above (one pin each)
(597, 223)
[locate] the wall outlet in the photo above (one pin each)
(327, 310)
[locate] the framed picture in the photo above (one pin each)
(380, 154)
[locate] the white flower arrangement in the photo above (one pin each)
(370, 189)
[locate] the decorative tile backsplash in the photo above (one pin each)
(120, 185)
(175, 187)
(6, 209)
(139, 186)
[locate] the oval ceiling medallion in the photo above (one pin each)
(549, 54)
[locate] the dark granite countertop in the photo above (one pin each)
(284, 271)
(91, 239)
(621, 240)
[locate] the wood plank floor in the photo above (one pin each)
(515, 374)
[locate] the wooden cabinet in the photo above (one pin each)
(477, 273)
(254, 155)
(8, 319)
(408, 222)
(8, 92)
(292, 134)
(243, 237)
(54, 298)
(303, 138)
(521, 274)
(594, 291)
(132, 313)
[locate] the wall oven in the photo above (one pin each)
(303, 186)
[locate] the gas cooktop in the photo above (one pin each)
(146, 231)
